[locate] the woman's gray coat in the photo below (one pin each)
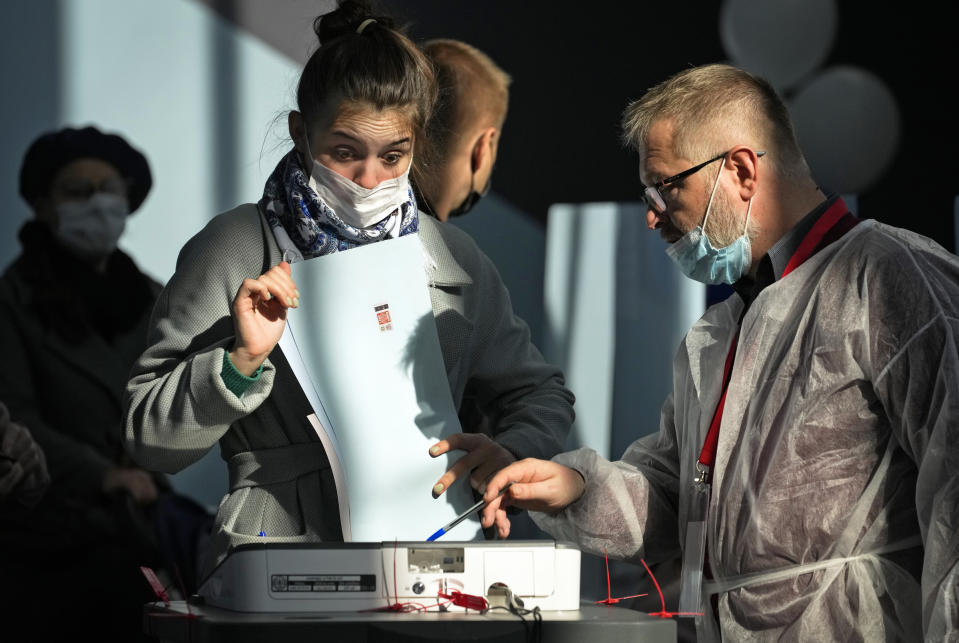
(177, 406)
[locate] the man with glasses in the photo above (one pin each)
(805, 467)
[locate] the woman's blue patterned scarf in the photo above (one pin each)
(291, 204)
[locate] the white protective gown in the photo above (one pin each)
(834, 513)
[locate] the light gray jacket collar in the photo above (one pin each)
(442, 268)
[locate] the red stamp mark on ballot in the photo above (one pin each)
(383, 316)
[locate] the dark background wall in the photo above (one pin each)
(575, 66)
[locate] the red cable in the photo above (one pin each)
(468, 601)
(455, 597)
(663, 613)
(609, 600)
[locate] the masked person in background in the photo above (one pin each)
(463, 133)
(805, 465)
(73, 318)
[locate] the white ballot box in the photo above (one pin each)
(340, 577)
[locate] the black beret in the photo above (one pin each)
(53, 150)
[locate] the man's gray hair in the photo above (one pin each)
(713, 108)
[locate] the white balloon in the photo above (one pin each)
(780, 40)
(848, 125)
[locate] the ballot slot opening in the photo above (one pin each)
(436, 560)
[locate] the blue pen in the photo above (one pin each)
(463, 516)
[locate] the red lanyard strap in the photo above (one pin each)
(708, 454)
(811, 243)
(833, 223)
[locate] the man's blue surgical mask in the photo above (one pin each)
(699, 260)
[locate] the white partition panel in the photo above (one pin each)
(655, 304)
(579, 326)
(204, 101)
(615, 311)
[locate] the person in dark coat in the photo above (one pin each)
(73, 318)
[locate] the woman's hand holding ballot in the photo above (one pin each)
(259, 316)
(537, 485)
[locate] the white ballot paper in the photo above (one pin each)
(364, 347)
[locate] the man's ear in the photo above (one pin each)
(484, 149)
(745, 162)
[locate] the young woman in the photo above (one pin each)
(213, 373)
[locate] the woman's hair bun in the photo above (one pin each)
(378, 66)
(346, 18)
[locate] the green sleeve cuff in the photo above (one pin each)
(235, 381)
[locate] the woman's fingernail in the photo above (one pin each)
(296, 293)
(289, 302)
(296, 302)
(434, 450)
(269, 296)
(438, 488)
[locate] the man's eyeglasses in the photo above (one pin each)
(654, 198)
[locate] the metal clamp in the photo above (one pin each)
(702, 475)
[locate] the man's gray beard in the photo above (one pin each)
(727, 220)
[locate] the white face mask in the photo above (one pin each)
(93, 227)
(358, 206)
